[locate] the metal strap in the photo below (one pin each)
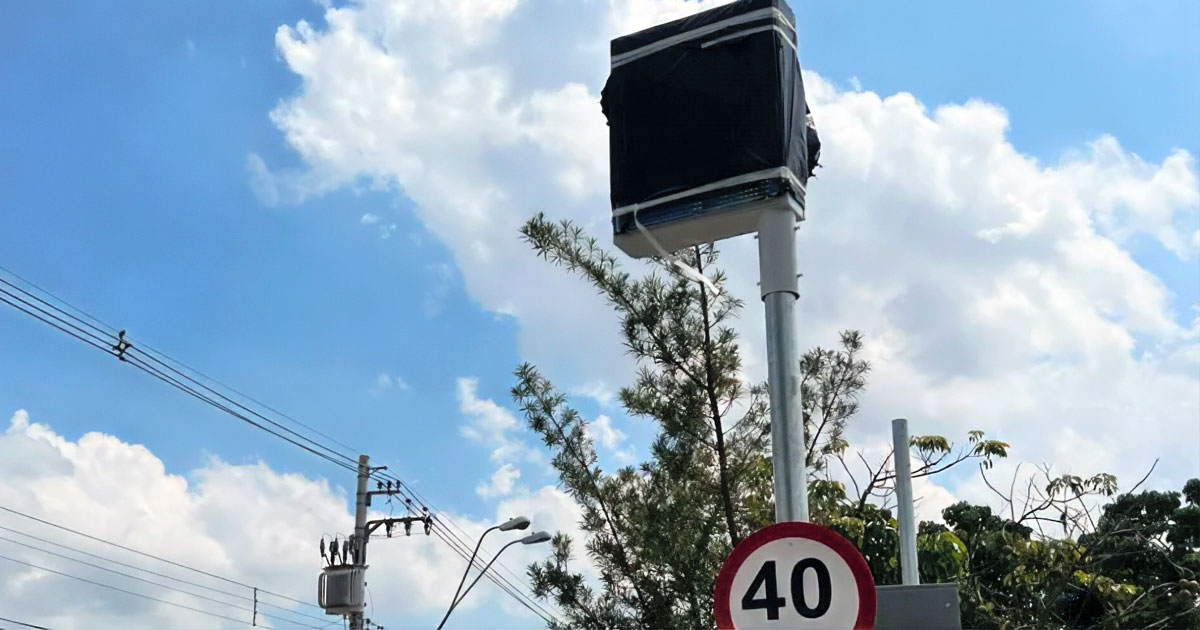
(663, 44)
(782, 171)
(685, 269)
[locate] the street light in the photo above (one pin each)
(519, 522)
(532, 539)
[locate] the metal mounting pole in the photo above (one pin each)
(904, 503)
(778, 282)
(360, 528)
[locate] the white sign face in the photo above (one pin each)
(795, 575)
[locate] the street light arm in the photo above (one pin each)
(474, 582)
(470, 562)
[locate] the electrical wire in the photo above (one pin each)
(22, 623)
(115, 588)
(460, 546)
(152, 556)
(137, 349)
(455, 543)
(27, 306)
(131, 354)
(461, 549)
(483, 550)
(260, 602)
(158, 584)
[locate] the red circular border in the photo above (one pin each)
(828, 537)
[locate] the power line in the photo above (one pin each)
(454, 542)
(193, 387)
(158, 584)
(151, 556)
(84, 337)
(22, 623)
(27, 306)
(166, 378)
(101, 326)
(145, 570)
(128, 592)
(442, 516)
(460, 548)
(80, 311)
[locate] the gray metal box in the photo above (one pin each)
(918, 607)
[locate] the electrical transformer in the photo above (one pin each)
(340, 589)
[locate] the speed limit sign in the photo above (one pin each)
(795, 575)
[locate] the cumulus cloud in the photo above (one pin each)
(500, 484)
(996, 290)
(249, 523)
(492, 425)
(627, 16)
(598, 391)
(603, 432)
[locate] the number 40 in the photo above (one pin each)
(772, 602)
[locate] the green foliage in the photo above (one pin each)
(1132, 570)
(657, 533)
(829, 385)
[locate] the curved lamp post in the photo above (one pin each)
(519, 522)
(532, 539)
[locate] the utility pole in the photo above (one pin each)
(360, 530)
(342, 585)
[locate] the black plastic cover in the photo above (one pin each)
(706, 98)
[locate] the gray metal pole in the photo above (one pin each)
(777, 279)
(909, 573)
(360, 527)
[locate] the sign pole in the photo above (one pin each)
(778, 283)
(904, 503)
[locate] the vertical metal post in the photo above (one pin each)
(909, 573)
(254, 619)
(360, 528)
(777, 280)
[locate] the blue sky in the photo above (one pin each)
(124, 136)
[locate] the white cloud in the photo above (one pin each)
(386, 230)
(492, 425)
(602, 431)
(501, 483)
(223, 518)
(597, 390)
(245, 522)
(262, 184)
(385, 382)
(628, 16)
(996, 291)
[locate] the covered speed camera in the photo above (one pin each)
(707, 127)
